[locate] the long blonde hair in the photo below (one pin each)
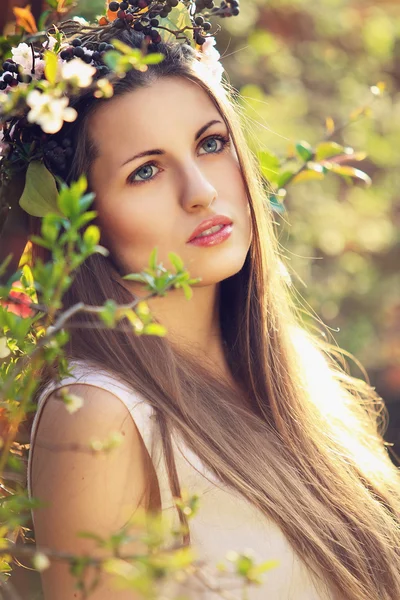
(304, 441)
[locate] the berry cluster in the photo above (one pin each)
(127, 8)
(90, 52)
(57, 155)
(11, 75)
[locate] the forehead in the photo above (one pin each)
(159, 113)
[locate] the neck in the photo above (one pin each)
(193, 326)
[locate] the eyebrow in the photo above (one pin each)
(159, 151)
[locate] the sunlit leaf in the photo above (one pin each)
(176, 261)
(178, 18)
(327, 150)
(51, 66)
(154, 329)
(308, 175)
(269, 164)
(40, 192)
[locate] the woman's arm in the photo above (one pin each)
(86, 491)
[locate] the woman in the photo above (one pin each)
(237, 403)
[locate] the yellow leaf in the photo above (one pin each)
(25, 18)
(51, 66)
(330, 125)
(307, 176)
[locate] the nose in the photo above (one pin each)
(197, 192)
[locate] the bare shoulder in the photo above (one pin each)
(84, 490)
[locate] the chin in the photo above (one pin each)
(216, 268)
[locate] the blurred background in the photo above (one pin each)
(297, 63)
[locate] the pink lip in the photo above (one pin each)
(217, 220)
(214, 238)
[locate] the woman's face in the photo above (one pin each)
(189, 174)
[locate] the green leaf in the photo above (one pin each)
(308, 175)
(85, 201)
(269, 164)
(153, 259)
(108, 313)
(284, 178)
(134, 277)
(85, 218)
(154, 329)
(112, 59)
(40, 192)
(304, 150)
(91, 237)
(276, 205)
(43, 17)
(50, 228)
(187, 290)
(177, 19)
(176, 261)
(153, 58)
(50, 66)
(327, 150)
(40, 242)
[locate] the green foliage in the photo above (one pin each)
(158, 280)
(339, 228)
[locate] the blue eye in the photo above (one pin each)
(147, 168)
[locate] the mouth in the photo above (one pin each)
(213, 236)
(210, 226)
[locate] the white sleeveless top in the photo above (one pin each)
(225, 521)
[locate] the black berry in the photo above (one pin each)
(8, 78)
(113, 6)
(207, 26)
(102, 46)
(3, 85)
(77, 42)
(118, 23)
(96, 56)
(123, 5)
(79, 52)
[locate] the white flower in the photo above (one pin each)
(209, 57)
(78, 72)
(39, 67)
(49, 112)
(40, 561)
(80, 20)
(72, 402)
(4, 349)
(22, 55)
